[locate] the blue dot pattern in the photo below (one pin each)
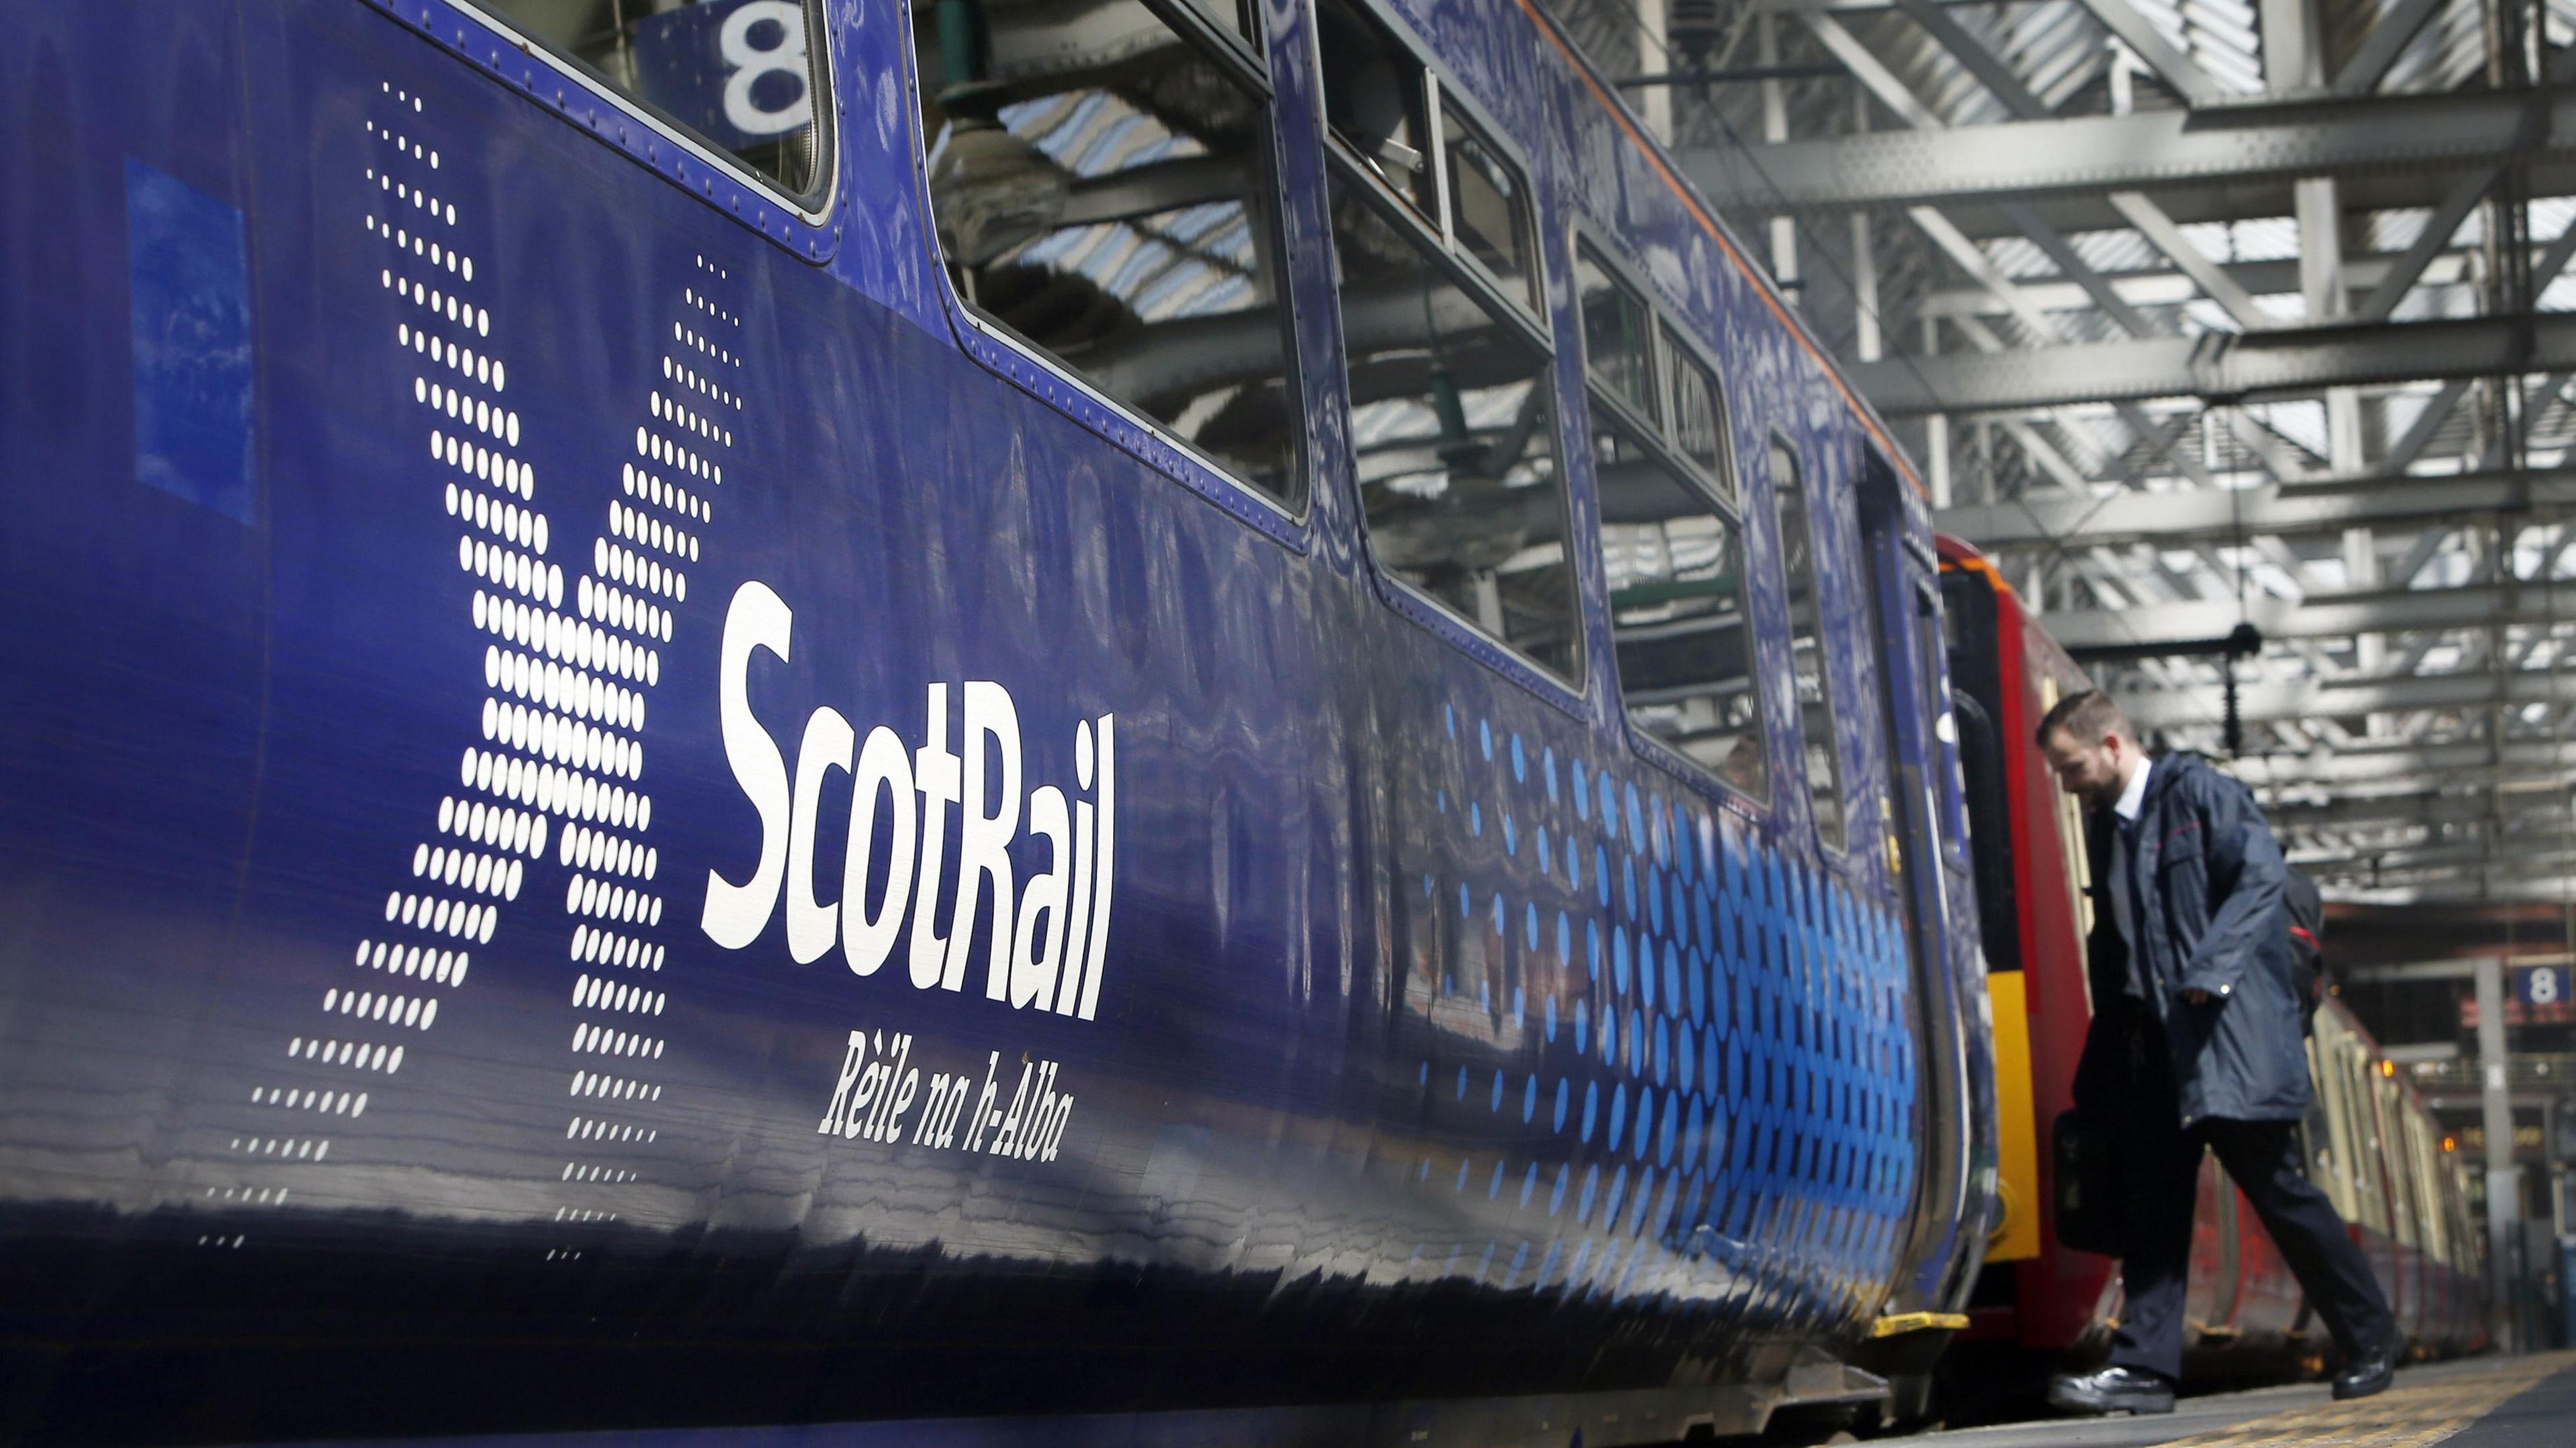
(1718, 1097)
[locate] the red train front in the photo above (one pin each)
(2372, 1144)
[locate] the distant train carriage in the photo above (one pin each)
(2373, 1145)
(759, 712)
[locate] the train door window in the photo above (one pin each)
(1675, 565)
(1618, 339)
(1100, 180)
(742, 76)
(1942, 777)
(1808, 665)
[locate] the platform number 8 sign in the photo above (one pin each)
(736, 71)
(761, 39)
(2545, 988)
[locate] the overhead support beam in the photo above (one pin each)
(2466, 193)
(2469, 860)
(2165, 236)
(2387, 40)
(2414, 807)
(2309, 699)
(2320, 616)
(2300, 510)
(2144, 151)
(2221, 367)
(2454, 763)
(2193, 273)
(1990, 69)
(2475, 889)
(2148, 43)
(2464, 968)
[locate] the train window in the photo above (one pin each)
(1377, 101)
(2434, 1228)
(1099, 181)
(1675, 565)
(1699, 414)
(2392, 1117)
(1452, 434)
(2330, 1134)
(2356, 1071)
(1382, 105)
(1815, 693)
(1489, 207)
(1237, 18)
(1617, 337)
(740, 75)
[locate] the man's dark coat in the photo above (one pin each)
(2208, 878)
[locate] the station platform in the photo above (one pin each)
(2516, 1402)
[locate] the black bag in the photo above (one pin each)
(2088, 1186)
(2307, 911)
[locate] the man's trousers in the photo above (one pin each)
(2161, 1171)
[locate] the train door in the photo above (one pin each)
(1956, 1144)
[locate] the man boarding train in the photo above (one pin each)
(2196, 1042)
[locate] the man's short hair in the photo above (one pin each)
(2088, 717)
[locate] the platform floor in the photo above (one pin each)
(2519, 1402)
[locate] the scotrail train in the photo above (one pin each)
(767, 713)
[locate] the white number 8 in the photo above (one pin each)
(742, 112)
(2544, 987)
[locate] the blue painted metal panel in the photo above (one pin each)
(413, 908)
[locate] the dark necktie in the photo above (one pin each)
(2123, 906)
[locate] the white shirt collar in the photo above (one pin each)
(2133, 797)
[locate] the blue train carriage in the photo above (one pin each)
(757, 712)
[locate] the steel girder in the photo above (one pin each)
(2420, 807)
(2320, 615)
(2168, 288)
(2221, 367)
(2345, 699)
(2229, 143)
(2477, 888)
(2205, 515)
(2359, 191)
(2532, 836)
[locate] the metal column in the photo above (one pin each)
(2504, 1186)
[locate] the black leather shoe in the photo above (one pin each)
(2112, 1390)
(2366, 1375)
